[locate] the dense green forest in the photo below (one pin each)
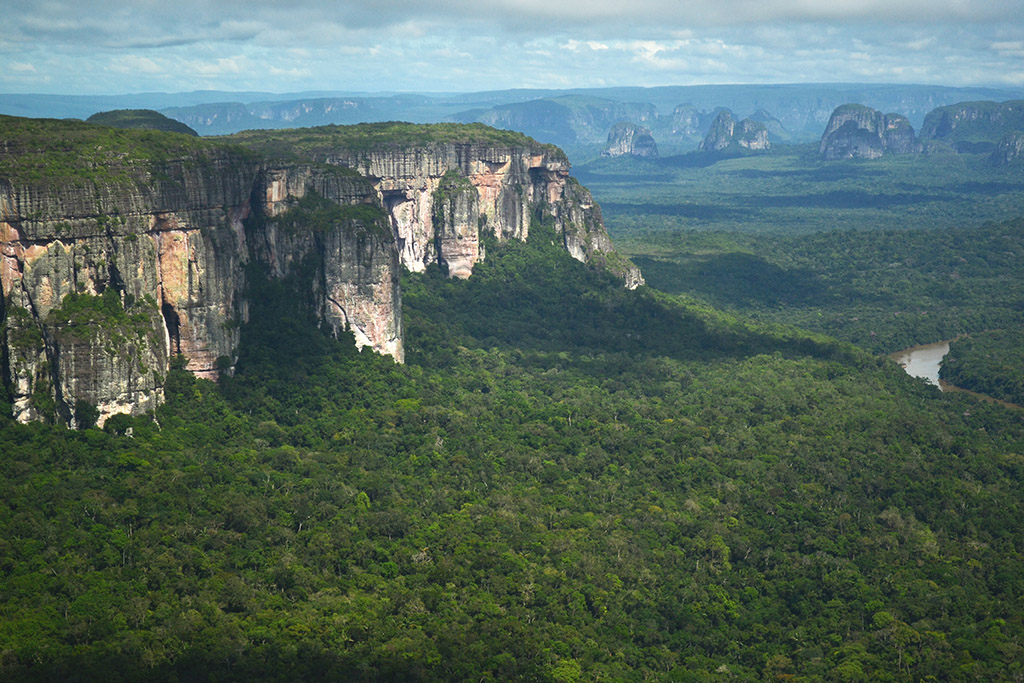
(989, 362)
(883, 290)
(886, 253)
(567, 481)
(792, 190)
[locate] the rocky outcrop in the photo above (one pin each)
(1010, 149)
(325, 226)
(973, 122)
(856, 131)
(687, 121)
(776, 131)
(726, 133)
(629, 139)
(126, 256)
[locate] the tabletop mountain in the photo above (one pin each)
(629, 139)
(122, 249)
(857, 131)
(726, 133)
(974, 126)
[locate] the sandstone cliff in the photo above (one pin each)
(120, 249)
(126, 248)
(726, 133)
(629, 139)
(856, 131)
(973, 122)
(423, 175)
(1010, 149)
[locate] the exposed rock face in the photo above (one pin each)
(107, 275)
(457, 217)
(326, 226)
(514, 185)
(629, 139)
(973, 122)
(168, 240)
(687, 121)
(726, 133)
(1010, 149)
(856, 131)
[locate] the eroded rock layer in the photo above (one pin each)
(120, 250)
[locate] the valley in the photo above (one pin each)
(572, 476)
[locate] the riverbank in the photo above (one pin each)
(925, 361)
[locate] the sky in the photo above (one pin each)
(89, 47)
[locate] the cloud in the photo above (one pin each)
(578, 45)
(120, 46)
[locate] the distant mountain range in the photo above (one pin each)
(677, 116)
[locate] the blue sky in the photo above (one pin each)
(115, 47)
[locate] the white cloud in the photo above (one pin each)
(119, 46)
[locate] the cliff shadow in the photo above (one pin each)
(734, 279)
(552, 303)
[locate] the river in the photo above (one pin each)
(924, 361)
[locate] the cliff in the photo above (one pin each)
(726, 133)
(120, 249)
(629, 139)
(856, 131)
(968, 124)
(776, 131)
(1010, 149)
(444, 186)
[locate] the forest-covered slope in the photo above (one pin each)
(585, 483)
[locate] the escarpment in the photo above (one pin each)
(973, 123)
(122, 249)
(423, 175)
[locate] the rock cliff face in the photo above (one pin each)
(726, 132)
(856, 131)
(427, 189)
(1010, 149)
(325, 226)
(123, 249)
(107, 276)
(629, 139)
(168, 241)
(973, 122)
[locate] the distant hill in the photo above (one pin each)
(576, 119)
(563, 119)
(140, 118)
